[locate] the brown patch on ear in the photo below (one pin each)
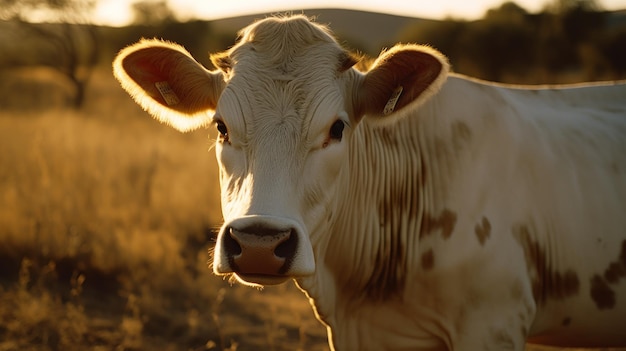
(222, 61)
(413, 70)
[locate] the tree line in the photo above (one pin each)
(570, 40)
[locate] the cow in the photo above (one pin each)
(417, 209)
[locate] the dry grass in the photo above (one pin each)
(106, 218)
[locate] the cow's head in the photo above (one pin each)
(285, 101)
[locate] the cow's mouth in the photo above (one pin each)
(262, 279)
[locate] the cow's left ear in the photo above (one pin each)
(405, 75)
(168, 83)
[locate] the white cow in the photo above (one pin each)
(418, 209)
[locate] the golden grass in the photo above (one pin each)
(106, 218)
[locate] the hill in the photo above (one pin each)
(362, 30)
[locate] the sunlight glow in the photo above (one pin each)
(118, 12)
(114, 12)
(429, 9)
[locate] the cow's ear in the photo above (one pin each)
(168, 83)
(406, 75)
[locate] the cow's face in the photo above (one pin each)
(286, 102)
(280, 147)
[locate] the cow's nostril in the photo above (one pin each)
(287, 248)
(231, 246)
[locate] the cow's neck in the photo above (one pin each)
(381, 208)
(371, 247)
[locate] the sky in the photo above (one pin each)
(118, 13)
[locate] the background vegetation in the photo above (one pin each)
(571, 40)
(107, 217)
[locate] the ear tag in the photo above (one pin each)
(393, 100)
(167, 93)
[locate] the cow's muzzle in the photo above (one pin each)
(263, 250)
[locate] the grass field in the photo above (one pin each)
(106, 219)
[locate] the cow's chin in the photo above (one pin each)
(261, 279)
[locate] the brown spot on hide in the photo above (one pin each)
(617, 269)
(601, 293)
(446, 221)
(398, 211)
(389, 275)
(428, 260)
(461, 135)
(547, 283)
(483, 230)
(566, 321)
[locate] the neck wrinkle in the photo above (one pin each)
(376, 228)
(393, 166)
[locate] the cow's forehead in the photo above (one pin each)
(281, 45)
(293, 50)
(284, 71)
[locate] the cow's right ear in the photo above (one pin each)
(168, 83)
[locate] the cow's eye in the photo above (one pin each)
(336, 130)
(221, 128)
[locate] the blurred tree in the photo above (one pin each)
(152, 12)
(442, 35)
(69, 46)
(508, 12)
(564, 6)
(501, 43)
(568, 40)
(566, 31)
(612, 46)
(157, 19)
(193, 35)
